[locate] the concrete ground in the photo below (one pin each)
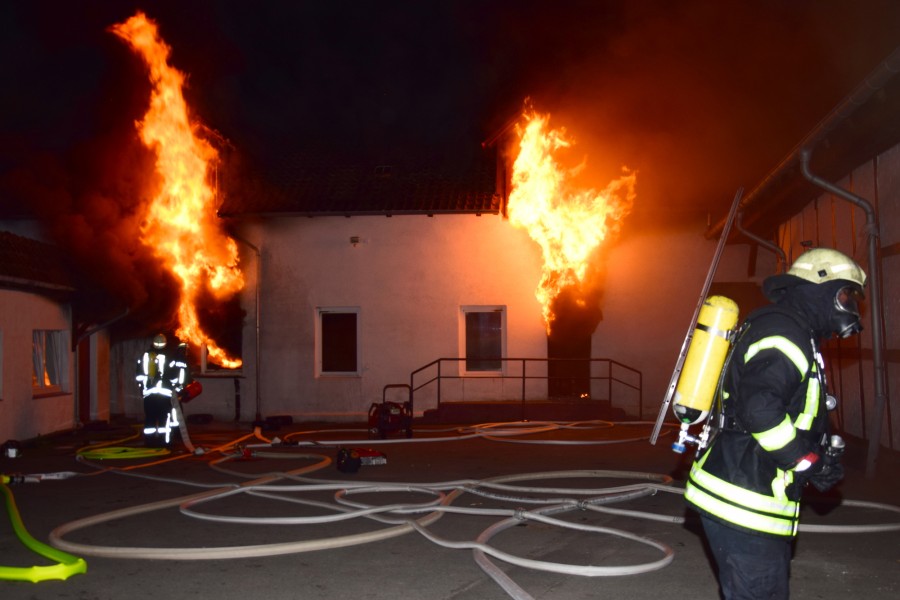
(579, 463)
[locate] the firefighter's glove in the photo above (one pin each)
(831, 471)
(827, 477)
(824, 471)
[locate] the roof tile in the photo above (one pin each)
(317, 185)
(25, 262)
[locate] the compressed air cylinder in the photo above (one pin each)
(705, 359)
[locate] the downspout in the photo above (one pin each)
(258, 282)
(775, 248)
(77, 338)
(874, 243)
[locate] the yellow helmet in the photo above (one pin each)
(824, 264)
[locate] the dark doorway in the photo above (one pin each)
(569, 344)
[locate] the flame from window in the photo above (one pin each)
(568, 224)
(180, 225)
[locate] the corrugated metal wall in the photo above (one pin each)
(834, 222)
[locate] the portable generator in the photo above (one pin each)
(390, 417)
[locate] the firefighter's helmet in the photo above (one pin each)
(838, 280)
(818, 265)
(159, 341)
(824, 264)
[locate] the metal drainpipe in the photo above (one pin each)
(76, 341)
(258, 282)
(775, 248)
(874, 243)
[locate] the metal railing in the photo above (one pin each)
(435, 372)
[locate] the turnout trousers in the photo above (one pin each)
(750, 567)
(157, 432)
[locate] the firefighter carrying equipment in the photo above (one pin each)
(705, 359)
(161, 380)
(774, 391)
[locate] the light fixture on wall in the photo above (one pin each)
(354, 240)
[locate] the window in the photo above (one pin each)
(337, 333)
(483, 338)
(49, 361)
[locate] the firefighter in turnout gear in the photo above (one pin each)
(774, 428)
(161, 379)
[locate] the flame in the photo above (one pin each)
(568, 224)
(180, 225)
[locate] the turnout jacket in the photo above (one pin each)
(157, 375)
(773, 402)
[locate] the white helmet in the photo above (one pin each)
(159, 341)
(824, 264)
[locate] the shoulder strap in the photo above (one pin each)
(718, 412)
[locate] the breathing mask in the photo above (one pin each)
(845, 317)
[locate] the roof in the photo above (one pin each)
(857, 130)
(29, 264)
(319, 184)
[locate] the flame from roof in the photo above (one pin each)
(180, 225)
(568, 224)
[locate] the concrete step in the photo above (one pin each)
(530, 410)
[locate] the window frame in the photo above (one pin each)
(319, 337)
(39, 385)
(467, 309)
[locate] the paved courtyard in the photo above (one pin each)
(522, 510)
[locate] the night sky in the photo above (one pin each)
(699, 96)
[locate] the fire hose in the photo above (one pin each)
(66, 564)
(400, 518)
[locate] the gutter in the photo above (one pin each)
(876, 80)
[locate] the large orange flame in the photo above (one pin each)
(568, 224)
(180, 224)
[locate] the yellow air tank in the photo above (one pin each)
(705, 359)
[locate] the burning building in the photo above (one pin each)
(352, 271)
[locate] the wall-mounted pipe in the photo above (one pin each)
(258, 283)
(874, 246)
(775, 248)
(79, 336)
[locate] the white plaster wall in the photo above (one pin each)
(409, 275)
(21, 415)
(655, 279)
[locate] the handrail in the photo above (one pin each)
(503, 374)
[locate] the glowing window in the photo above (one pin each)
(49, 361)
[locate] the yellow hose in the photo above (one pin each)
(66, 564)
